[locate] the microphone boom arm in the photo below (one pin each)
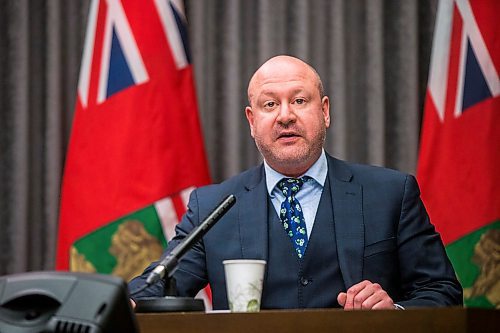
(168, 265)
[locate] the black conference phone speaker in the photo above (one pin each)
(46, 302)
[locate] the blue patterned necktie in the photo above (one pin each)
(291, 213)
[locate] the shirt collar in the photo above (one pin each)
(318, 171)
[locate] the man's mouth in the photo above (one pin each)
(288, 135)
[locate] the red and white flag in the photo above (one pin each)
(136, 148)
(459, 160)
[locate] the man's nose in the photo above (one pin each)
(286, 114)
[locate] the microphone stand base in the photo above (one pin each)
(169, 304)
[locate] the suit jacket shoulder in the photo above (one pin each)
(234, 185)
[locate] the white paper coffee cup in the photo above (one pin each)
(244, 279)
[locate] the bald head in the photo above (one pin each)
(282, 64)
(288, 114)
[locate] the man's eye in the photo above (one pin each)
(300, 101)
(270, 104)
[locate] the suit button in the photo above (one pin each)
(304, 281)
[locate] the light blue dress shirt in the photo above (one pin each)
(308, 196)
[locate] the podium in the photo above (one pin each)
(428, 320)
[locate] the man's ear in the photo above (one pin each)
(249, 114)
(325, 107)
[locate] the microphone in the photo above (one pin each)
(170, 262)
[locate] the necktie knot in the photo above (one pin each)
(290, 186)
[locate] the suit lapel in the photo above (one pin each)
(348, 219)
(252, 217)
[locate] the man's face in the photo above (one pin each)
(288, 118)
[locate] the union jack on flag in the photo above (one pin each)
(121, 63)
(463, 71)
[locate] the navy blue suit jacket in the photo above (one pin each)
(383, 234)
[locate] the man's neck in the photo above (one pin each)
(294, 170)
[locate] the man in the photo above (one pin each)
(333, 233)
